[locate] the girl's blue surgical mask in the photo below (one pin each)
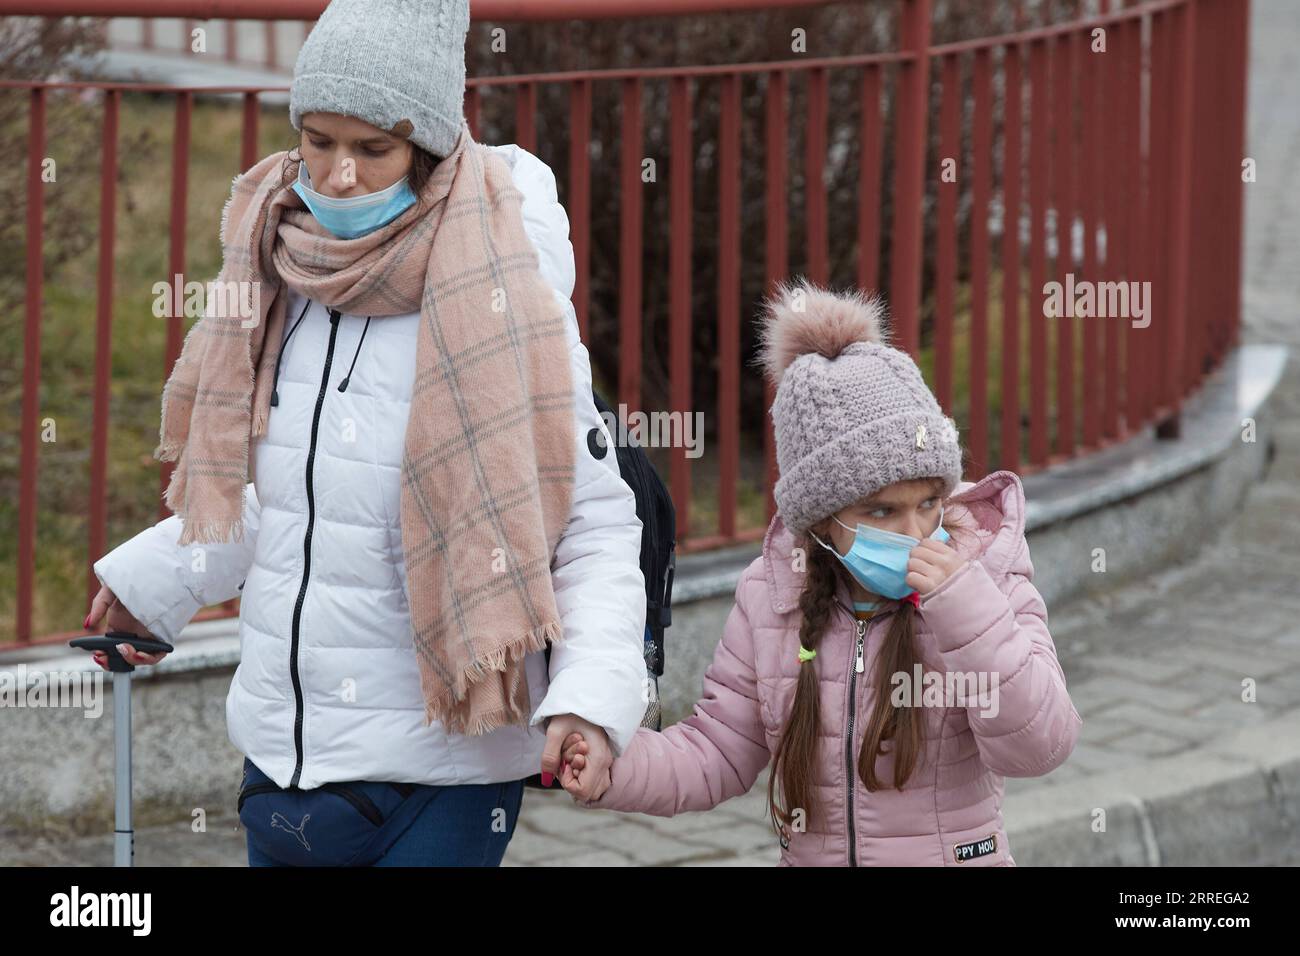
(356, 215)
(878, 559)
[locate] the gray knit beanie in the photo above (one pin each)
(397, 64)
(852, 414)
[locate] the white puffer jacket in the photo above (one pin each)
(328, 687)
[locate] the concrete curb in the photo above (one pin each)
(1233, 802)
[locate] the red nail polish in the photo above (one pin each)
(547, 778)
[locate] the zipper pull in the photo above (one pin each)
(859, 664)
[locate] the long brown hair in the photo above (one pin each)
(903, 727)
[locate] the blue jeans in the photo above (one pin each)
(461, 826)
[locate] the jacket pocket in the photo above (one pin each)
(775, 701)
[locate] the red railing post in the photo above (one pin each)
(777, 253)
(31, 365)
(579, 204)
(816, 233)
(729, 166)
(526, 116)
(1066, 68)
(1114, 159)
(980, 255)
(869, 174)
(176, 251)
(1137, 406)
(1184, 42)
(911, 114)
(946, 227)
(1150, 260)
(1236, 57)
(1040, 118)
(1009, 442)
(1091, 209)
(631, 206)
(1125, 160)
(1214, 170)
(103, 342)
(248, 155)
(680, 246)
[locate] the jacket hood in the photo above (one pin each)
(993, 509)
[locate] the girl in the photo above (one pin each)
(430, 505)
(887, 651)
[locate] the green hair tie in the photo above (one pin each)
(806, 655)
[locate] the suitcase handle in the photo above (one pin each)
(118, 664)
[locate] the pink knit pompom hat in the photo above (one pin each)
(852, 413)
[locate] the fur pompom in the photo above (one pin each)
(800, 317)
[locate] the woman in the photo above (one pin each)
(432, 502)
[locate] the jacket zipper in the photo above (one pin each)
(857, 668)
(306, 549)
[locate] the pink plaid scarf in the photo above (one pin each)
(487, 473)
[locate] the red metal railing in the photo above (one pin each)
(1118, 145)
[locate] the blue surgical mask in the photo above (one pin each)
(356, 215)
(878, 559)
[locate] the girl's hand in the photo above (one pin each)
(574, 781)
(119, 618)
(930, 564)
(574, 745)
(573, 776)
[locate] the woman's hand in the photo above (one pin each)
(118, 618)
(930, 564)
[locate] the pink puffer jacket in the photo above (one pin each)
(987, 617)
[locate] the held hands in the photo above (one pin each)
(118, 619)
(930, 564)
(589, 777)
(580, 769)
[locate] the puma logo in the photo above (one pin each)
(279, 821)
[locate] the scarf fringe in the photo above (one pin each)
(443, 707)
(225, 210)
(169, 450)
